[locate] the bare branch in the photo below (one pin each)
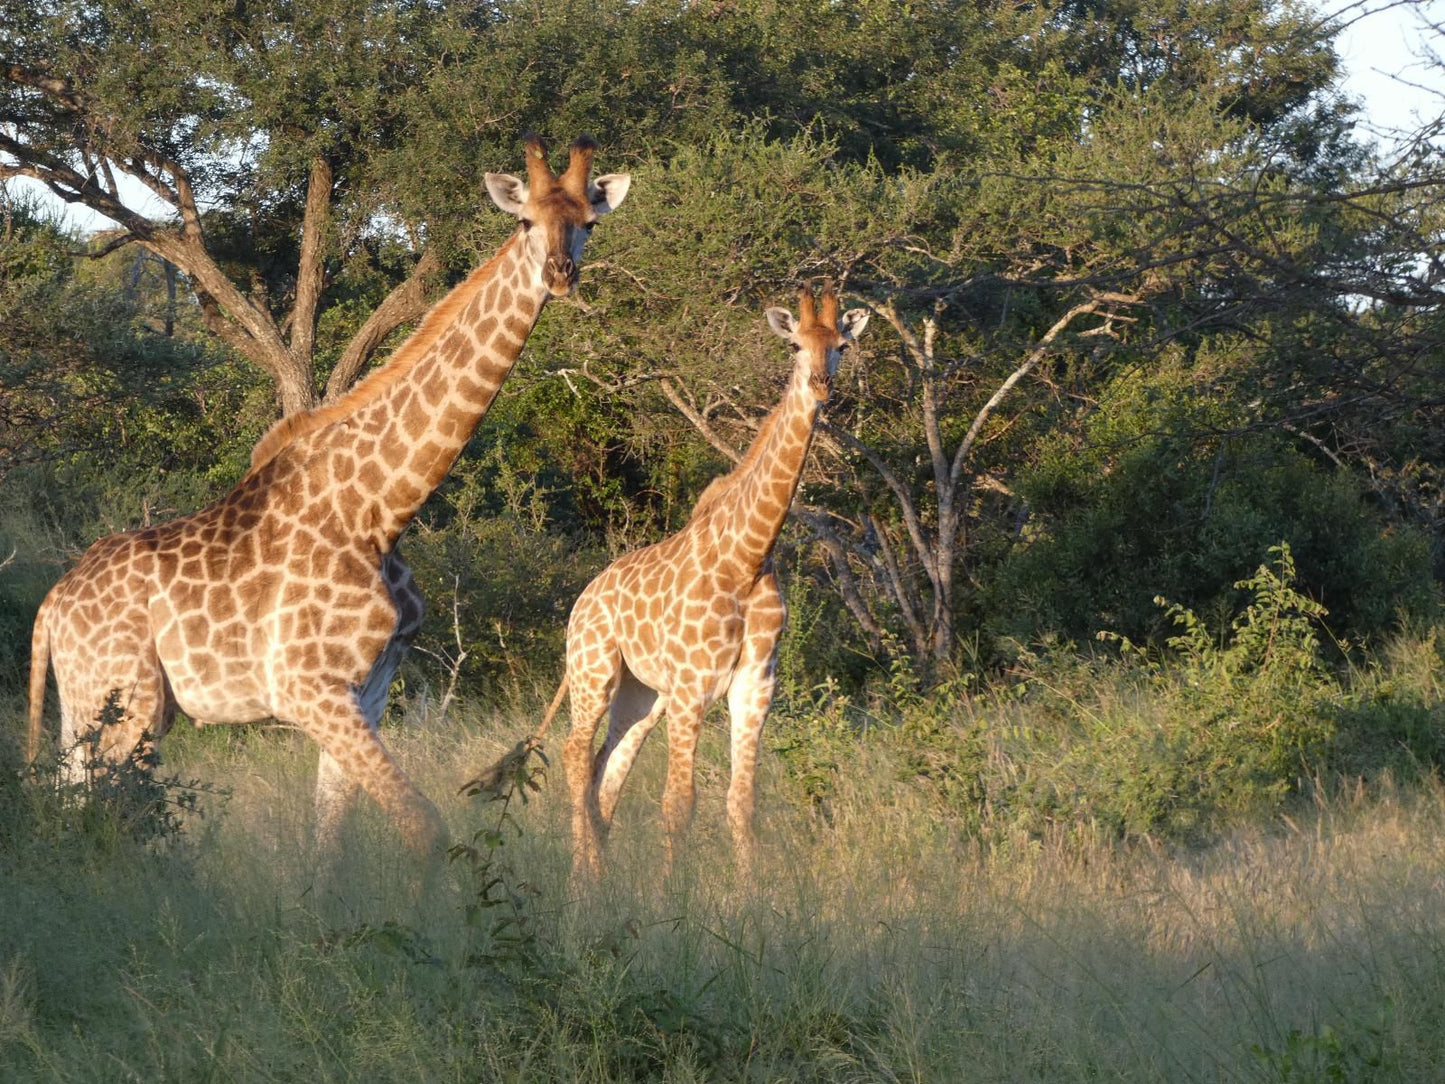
(310, 271)
(406, 302)
(847, 586)
(1034, 357)
(901, 494)
(70, 186)
(123, 238)
(699, 422)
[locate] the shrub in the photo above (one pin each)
(121, 803)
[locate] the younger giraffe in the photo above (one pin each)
(286, 598)
(675, 626)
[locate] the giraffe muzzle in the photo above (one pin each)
(561, 275)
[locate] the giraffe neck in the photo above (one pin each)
(750, 514)
(406, 439)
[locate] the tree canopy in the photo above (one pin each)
(1147, 304)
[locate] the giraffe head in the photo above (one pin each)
(818, 339)
(557, 212)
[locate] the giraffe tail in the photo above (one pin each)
(513, 764)
(39, 667)
(551, 711)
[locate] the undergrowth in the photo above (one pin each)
(1220, 860)
(1176, 743)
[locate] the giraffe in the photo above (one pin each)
(286, 598)
(675, 626)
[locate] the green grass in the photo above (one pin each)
(883, 939)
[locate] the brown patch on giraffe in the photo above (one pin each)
(370, 477)
(516, 328)
(205, 667)
(186, 596)
(339, 657)
(320, 564)
(414, 420)
(455, 423)
(308, 654)
(474, 391)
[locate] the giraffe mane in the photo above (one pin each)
(719, 487)
(371, 387)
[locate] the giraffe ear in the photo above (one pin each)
(608, 191)
(507, 192)
(781, 321)
(854, 321)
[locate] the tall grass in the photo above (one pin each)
(883, 938)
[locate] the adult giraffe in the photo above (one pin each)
(675, 626)
(285, 598)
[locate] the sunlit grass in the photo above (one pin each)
(877, 941)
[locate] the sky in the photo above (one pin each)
(1380, 51)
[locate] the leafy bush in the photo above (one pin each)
(119, 803)
(1151, 494)
(1173, 742)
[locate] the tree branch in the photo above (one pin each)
(310, 271)
(406, 302)
(699, 422)
(1035, 356)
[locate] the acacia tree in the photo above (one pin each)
(265, 130)
(309, 155)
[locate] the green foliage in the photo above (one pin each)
(1147, 497)
(884, 940)
(1358, 1050)
(499, 580)
(119, 804)
(1177, 742)
(497, 891)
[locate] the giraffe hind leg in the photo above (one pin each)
(590, 694)
(749, 698)
(635, 711)
(112, 725)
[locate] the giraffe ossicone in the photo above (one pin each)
(286, 598)
(676, 626)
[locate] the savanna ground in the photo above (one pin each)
(1042, 900)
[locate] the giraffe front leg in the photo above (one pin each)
(352, 751)
(749, 697)
(684, 724)
(335, 793)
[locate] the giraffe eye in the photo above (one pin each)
(526, 223)
(588, 226)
